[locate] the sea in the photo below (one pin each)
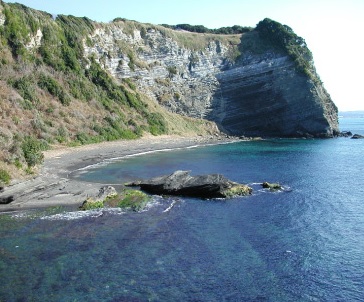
(302, 243)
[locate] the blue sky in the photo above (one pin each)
(333, 29)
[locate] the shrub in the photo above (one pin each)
(284, 39)
(32, 149)
(54, 88)
(4, 177)
(157, 124)
(25, 87)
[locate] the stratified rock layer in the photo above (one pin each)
(256, 93)
(269, 97)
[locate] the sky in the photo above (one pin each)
(333, 29)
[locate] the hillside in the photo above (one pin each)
(69, 81)
(52, 95)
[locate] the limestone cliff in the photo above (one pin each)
(248, 84)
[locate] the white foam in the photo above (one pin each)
(170, 207)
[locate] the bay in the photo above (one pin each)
(305, 243)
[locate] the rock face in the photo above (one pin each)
(267, 96)
(246, 90)
(183, 184)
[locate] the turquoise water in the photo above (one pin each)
(303, 244)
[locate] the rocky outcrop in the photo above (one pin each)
(272, 186)
(357, 136)
(107, 197)
(181, 183)
(246, 90)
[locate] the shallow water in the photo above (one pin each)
(305, 243)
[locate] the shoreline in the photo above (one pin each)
(53, 186)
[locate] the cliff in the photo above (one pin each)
(68, 80)
(259, 83)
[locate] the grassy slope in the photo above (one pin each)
(51, 95)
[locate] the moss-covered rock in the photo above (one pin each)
(271, 186)
(91, 204)
(134, 200)
(238, 190)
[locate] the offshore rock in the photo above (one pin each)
(271, 186)
(181, 183)
(357, 136)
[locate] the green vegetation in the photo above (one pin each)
(90, 204)
(26, 88)
(54, 88)
(238, 190)
(51, 93)
(133, 199)
(4, 177)
(128, 199)
(284, 39)
(233, 30)
(32, 149)
(272, 186)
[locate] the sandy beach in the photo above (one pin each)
(53, 186)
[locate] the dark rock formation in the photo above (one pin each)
(183, 184)
(6, 200)
(345, 134)
(357, 136)
(272, 186)
(269, 97)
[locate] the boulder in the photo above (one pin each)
(357, 136)
(271, 186)
(203, 186)
(345, 134)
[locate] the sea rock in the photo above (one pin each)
(357, 136)
(203, 186)
(271, 186)
(345, 134)
(94, 202)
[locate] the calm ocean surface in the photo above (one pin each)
(303, 244)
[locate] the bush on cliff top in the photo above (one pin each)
(283, 37)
